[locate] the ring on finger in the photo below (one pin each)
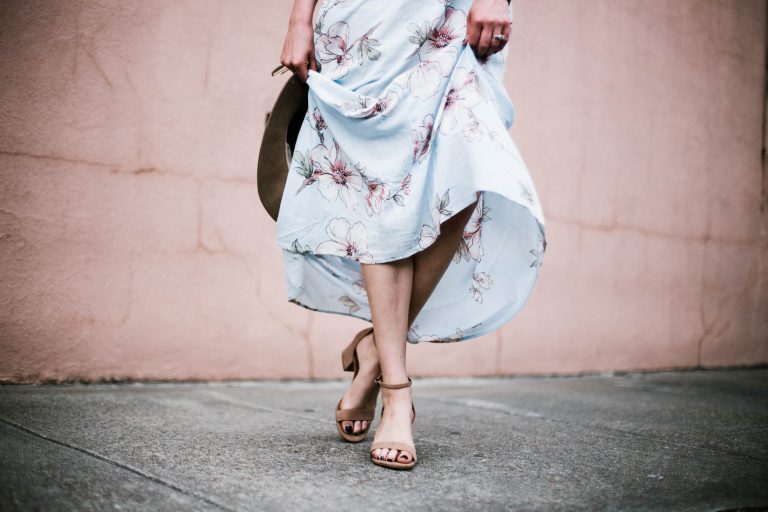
(500, 37)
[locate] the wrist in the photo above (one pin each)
(300, 21)
(302, 13)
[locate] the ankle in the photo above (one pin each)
(396, 382)
(397, 397)
(394, 377)
(368, 356)
(397, 406)
(369, 370)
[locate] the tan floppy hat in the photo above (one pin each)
(278, 142)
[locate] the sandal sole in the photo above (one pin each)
(393, 465)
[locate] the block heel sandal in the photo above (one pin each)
(394, 445)
(350, 363)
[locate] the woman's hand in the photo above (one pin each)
(298, 53)
(487, 18)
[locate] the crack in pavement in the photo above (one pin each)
(120, 465)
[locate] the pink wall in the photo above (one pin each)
(133, 244)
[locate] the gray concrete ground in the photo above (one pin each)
(664, 441)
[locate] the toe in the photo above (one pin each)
(347, 426)
(364, 424)
(404, 457)
(357, 428)
(392, 455)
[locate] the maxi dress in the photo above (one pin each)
(405, 128)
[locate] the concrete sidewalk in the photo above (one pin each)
(665, 441)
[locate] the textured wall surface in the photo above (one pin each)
(133, 244)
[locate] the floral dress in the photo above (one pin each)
(405, 128)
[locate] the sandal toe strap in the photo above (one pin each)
(355, 414)
(393, 445)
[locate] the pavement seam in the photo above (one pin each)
(120, 465)
(313, 419)
(248, 405)
(503, 409)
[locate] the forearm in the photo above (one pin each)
(302, 12)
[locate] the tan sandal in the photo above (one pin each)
(393, 464)
(350, 363)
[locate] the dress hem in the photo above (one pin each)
(487, 330)
(411, 251)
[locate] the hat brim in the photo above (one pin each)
(277, 144)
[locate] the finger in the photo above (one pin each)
(506, 29)
(473, 34)
(485, 41)
(312, 61)
(301, 70)
(496, 43)
(285, 62)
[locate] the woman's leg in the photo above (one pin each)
(428, 266)
(389, 287)
(394, 306)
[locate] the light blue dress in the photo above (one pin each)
(404, 128)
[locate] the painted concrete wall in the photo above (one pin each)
(133, 244)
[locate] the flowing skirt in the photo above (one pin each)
(405, 128)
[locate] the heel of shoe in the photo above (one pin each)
(350, 363)
(348, 355)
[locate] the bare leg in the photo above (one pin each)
(393, 308)
(428, 266)
(389, 287)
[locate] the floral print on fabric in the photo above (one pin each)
(335, 50)
(406, 128)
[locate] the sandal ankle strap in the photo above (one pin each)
(393, 386)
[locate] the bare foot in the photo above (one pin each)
(363, 391)
(395, 424)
